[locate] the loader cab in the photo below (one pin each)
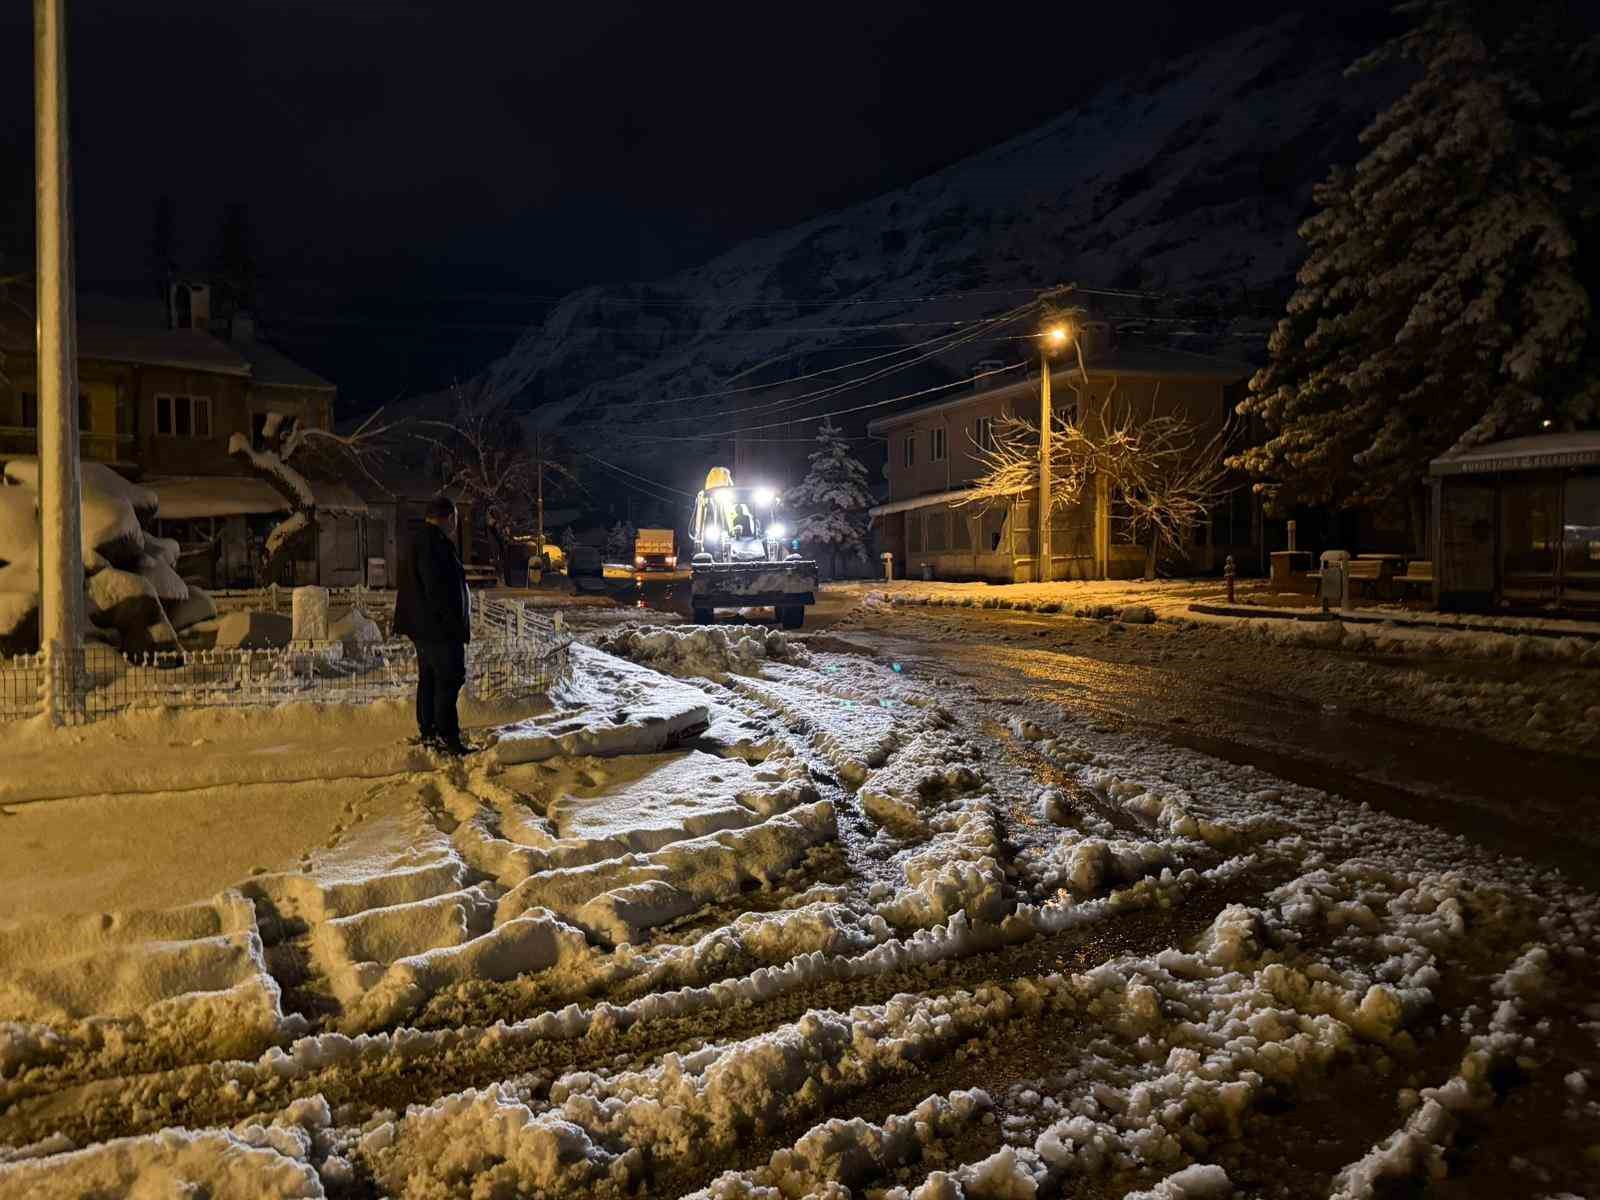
(738, 524)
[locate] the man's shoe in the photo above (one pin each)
(422, 739)
(453, 749)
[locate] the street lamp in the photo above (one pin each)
(1055, 336)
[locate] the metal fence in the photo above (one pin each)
(377, 603)
(514, 652)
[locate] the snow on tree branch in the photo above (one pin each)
(286, 439)
(831, 503)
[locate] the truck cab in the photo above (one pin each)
(655, 551)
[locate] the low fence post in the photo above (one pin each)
(61, 681)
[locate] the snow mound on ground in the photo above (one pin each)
(617, 900)
(929, 770)
(187, 980)
(488, 1143)
(174, 1162)
(648, 711)
(1365, 638)
(711, 651)
(356, 630)
(1199, 1181)
(854, 734)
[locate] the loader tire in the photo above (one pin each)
(792, 616)
(704, 616)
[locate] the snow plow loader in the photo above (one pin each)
(743, 554)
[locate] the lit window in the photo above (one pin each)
(937, 445)
(910, 450)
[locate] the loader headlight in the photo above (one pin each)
(763, 497)
(776, 531)
(713, 535)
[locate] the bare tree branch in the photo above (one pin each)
(286, 440)
(1164, 473)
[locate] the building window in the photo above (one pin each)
(914, 532)
(30, 411)
(936, 539)
(983, 434)
(936, 444)
(183, 416)
(960, 529)
(909, 451)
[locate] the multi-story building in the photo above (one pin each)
(160, 405)
(931, 524)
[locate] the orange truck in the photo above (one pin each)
(655, 551)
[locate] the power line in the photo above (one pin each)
(375, 323)
(952, 341)
(665, 486)
(940, 387)
(902, 348)
(670, 302)
(642, 490)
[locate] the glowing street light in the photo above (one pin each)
(1057, 335)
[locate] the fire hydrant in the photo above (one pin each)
(1228, 574)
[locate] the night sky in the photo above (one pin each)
(421, 177)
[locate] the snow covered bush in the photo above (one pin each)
(131, 585)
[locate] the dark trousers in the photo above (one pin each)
(441, 670)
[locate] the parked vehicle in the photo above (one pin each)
(586, 568)
(655, 550)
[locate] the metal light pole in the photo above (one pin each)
(61, 551)
(1054, 338)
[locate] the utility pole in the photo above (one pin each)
(1043, 573)
(60, 540)
(1054, 337)
(538, 448)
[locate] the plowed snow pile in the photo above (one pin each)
(790, 923)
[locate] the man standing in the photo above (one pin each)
(432, 609)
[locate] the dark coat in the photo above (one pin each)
(431, 604)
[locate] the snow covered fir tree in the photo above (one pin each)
(831, 503)
(1447, 294)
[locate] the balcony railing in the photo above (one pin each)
(96, 447)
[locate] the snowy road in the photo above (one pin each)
(921, 905)
(1358, 725)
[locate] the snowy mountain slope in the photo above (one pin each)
(1188, 182)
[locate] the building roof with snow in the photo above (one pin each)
(186, 497)
(272, 368)
(1537, 452)
(183, 349)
